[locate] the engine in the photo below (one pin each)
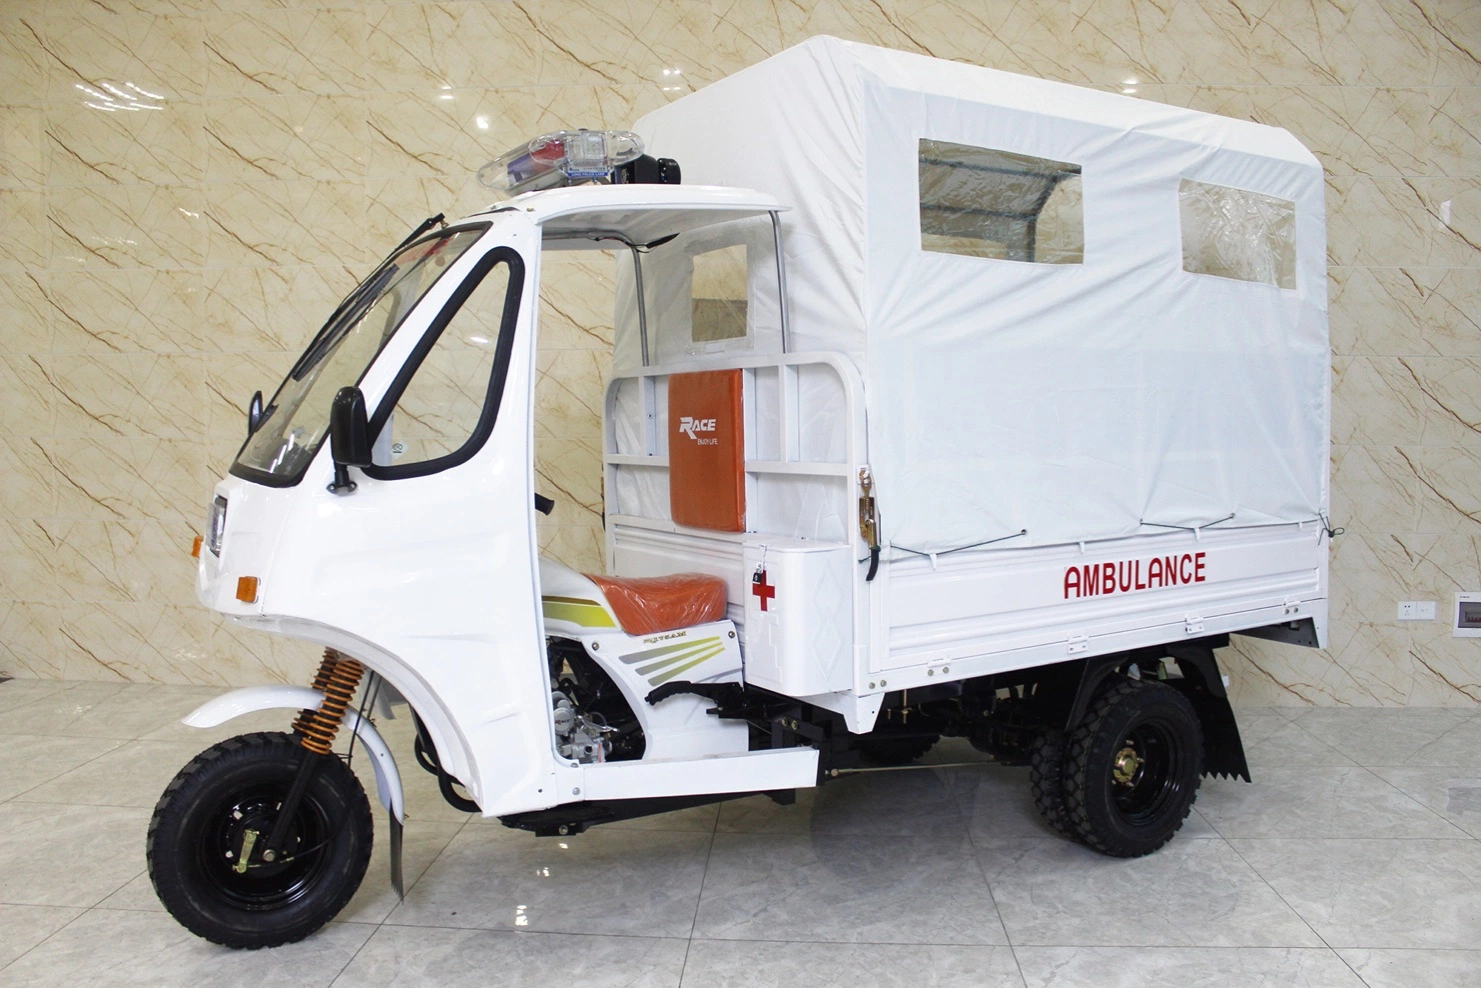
(592, 719)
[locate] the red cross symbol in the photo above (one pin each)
(762, 589)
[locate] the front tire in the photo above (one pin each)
(1132, 768)
(200, 827)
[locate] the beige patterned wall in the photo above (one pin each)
(187, 186)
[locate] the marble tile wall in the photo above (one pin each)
(187, 186)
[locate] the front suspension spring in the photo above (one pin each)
(338, 678)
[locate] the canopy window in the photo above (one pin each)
(1235, 233)
(1013, 207)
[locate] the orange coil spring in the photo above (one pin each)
(321, 682)
(321, 726)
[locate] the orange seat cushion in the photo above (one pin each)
(647, 605)
(707, 445)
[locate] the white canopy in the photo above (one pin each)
(1117, 389)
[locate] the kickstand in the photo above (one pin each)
(397, 882)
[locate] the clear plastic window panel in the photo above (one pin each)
(718, 295)
(1234, 233)
(980, 202)
(440, 408)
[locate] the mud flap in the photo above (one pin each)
(397, 882)
(1203, 685)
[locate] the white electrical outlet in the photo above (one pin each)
(1416, 610)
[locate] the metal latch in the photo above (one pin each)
(1193, 624)
(1078, 644)
(869, 520)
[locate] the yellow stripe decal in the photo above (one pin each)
(586, 613)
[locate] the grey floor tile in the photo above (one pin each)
(1184, 967)
(58, 855)
(1287, 745)
(423, 842)
(1377, 893)
(23, 927)
(1408, 968)
(103, 710)
(918, 802)
(414, 957)
(31, 760)
(124, 949)
(1189, 893)
(996, 802)
(18, 692)
(828, 887)
(621, 882)
(1433, 737)
(1318, 802)
(133, 774)
(753, 964)
(1454, 794)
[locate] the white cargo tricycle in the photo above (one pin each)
(995, 414)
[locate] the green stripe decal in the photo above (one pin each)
(664, 677)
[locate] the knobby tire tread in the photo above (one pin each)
(359, 807)
(1077, 767)
(1046, 780)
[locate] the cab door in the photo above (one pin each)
(427, 570)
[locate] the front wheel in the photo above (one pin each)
(1132, 768)
(217, 808)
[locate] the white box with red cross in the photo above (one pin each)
(799, 617)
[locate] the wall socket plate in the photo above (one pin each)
(1416, 610)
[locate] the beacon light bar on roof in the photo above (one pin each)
(565, 157)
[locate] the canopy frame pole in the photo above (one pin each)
(642, 303)
(781, 280)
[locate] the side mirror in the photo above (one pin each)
(349, 437)
(254, 413)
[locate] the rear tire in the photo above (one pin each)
(1046, 780)
(200, 826)
(1132, 768)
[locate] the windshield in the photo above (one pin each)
(294, 425)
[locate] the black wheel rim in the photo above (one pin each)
(263, 885)
(1146, 773)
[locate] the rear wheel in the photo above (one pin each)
(1132, 768)
(1046, 779)
(220, 809)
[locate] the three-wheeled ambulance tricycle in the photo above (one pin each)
(996, 410)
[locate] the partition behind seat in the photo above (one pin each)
(707, 477)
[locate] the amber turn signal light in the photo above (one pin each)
(247, 589)
(195, 548)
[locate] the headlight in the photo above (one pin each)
(218, 525)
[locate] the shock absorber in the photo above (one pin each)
(320, 727)
(338, 678)
(321, 681)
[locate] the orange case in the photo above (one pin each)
(707, 444)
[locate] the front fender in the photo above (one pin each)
(245, 701)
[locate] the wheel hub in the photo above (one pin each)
(1126, 766)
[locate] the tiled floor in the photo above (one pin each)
(1353, 860)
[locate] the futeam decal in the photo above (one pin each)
(1131, 575)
